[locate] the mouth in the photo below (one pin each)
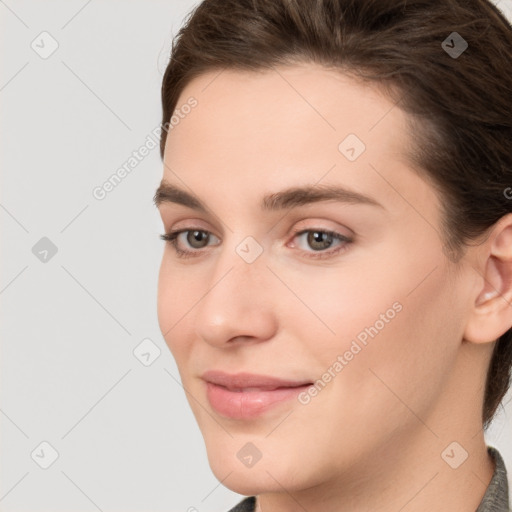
(246, 396)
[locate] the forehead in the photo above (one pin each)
(285, 106)
(262, 127)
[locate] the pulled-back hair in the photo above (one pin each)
(461, 103)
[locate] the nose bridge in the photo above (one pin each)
(241, 263)
(236, 302)
(237, 278)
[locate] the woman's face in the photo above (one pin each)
(371, 317)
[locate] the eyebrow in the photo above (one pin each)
(288, 198)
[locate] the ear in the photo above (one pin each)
(491, 315)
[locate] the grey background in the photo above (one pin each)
(125, 437)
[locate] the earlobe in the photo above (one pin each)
(492, 311)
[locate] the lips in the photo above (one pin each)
(247, 395)
(250, 381)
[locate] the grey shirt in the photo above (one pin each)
(495, 498)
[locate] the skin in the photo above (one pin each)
(372, 438)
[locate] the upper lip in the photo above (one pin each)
(249, 380)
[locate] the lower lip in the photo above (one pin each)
(247, 404)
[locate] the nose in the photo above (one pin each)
(237, 305)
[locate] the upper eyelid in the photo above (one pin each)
(294, 231)
(319, 220)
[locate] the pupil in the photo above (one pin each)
(197, 236)
(316, 237)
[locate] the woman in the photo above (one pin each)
(337, 277)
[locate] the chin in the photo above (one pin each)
(248, 486)
(266, 475)
(247, 481)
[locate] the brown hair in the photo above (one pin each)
(461, 104)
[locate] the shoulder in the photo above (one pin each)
(496, 497)
(246, 505)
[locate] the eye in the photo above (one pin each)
(318, 239)
(194, 237)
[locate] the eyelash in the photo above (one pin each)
(172, 237)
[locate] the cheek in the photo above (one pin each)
(353, 302)
(396, 320)
(175, 299)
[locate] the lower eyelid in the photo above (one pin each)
(346, 240)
